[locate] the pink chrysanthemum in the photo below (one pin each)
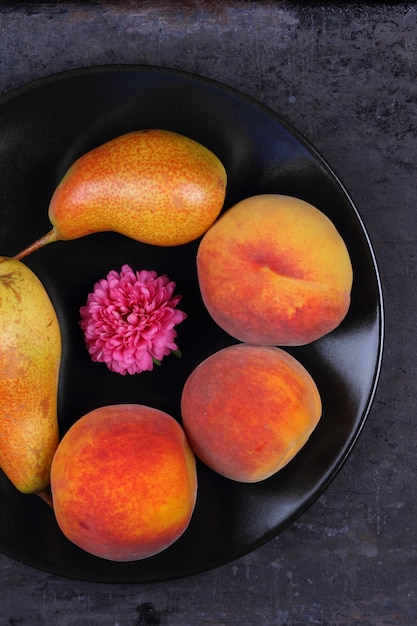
(129, 320)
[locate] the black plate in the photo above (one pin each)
(44, 127)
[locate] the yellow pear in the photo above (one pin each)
(154, 186)
(30, 356)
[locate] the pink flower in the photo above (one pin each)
(129, 320)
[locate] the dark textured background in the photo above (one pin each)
(345, 75)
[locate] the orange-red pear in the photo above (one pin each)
(154, 186)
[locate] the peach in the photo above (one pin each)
(273, 270)
(247, 410)
(124, 482)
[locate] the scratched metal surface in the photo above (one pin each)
(344, 75)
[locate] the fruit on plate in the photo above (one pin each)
(155, 186)
(248, 410)
(273, 270)
(30, 357)
(124, 482)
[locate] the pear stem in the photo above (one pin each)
(46, 496)
(39, 243)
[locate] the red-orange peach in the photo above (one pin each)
(273, 270)
(248, 410)
(124, 482)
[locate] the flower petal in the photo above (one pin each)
(129, 319)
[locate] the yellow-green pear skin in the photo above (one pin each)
(30, 358)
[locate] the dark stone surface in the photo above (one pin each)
(345, 75)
